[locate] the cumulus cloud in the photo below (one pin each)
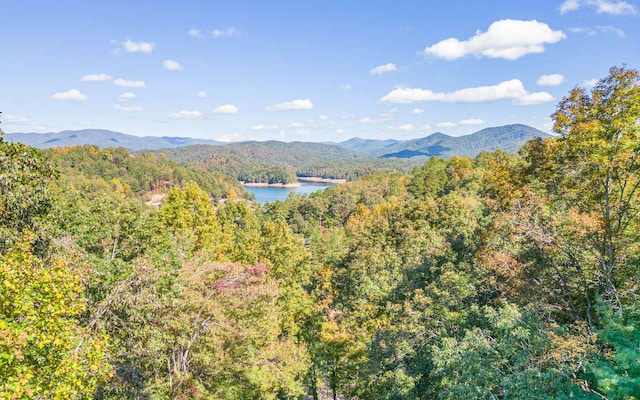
(512, 89)
(590, 82)
(96, 78)
(450, 124)
(601, 6)
(137, 47)
(550, 80)
(299, 104)
(171, 65)
(416, 111)
(508, 39)
(73, 95)
(186, 115)
(381, 69)
(227, 109)
(365, 120)
(346, 87)
(132, 84)
(471, 121)
(296, 124)
(594, 30)
(446, 124)
(231, 137)
(120, 107)
(262, 127)
(323, 117)
(303, 132)
(127, 96)
(218, 33)
(15, 119)
(193, 32)
(406, 127)
(202, 94)
(533, 99)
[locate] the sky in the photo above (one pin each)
(306, 70)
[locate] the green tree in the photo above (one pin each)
(597, 170)
(25, 202)
(44, 351)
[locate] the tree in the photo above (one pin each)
(44, 352)
(25, 202)
(597, 171)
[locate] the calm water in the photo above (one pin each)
(271, 193)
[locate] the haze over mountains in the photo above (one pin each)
(509, 138)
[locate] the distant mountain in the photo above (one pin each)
(508, 138)
(103, 139)
(367, 146)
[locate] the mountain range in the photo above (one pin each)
(103, 139)
(509, 138)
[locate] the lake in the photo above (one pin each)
(273, 193)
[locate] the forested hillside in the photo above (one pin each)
(279, 162)
(504, 276)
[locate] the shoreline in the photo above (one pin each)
(262, 184)
(323, 180)
(295, 184)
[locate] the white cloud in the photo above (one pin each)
(193, 32)
(296, 124)
(509, 39)
(120, 107)
(365, 120)
(406, 127)
(171, 65)
(127, 96)
(137, 47)
(95, 78)
(380, 69)
(261, 127)
(279, 136)
(416, 111)
(73, 95)
(449, 124)
(323, 117)
(202, 94)
(132, 84)
(595, 30)
(590, 82)
(299, 104)
(339, 131)
(232, 137)
(512, 89)
(533, 99)
(303, 132)
(218, 33)
(186, 115)
(550, 80)
(471, 121)
(601, 6)
(15, 119)
(346, 87)
(227, 109)
(446, 124)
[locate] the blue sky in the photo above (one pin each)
(303, 70)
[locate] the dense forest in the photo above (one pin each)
(279, 162)
(505, 276)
